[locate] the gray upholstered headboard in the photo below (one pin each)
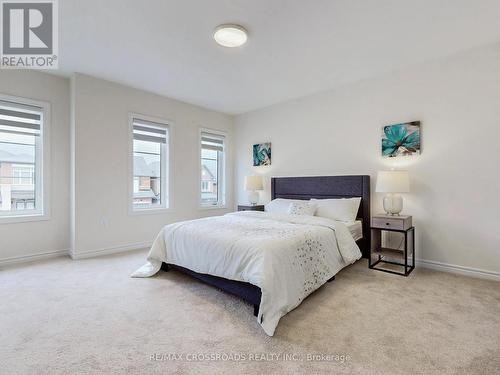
(323, 187)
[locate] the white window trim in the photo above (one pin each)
(43, 190)
(167, 206)
(219, 206)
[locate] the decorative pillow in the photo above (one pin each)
(344, 209)
(301, 208)
(280, 205)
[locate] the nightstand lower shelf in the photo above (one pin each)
(408, 267)
(393, 258)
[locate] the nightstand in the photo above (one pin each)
(257, 207)
(393, 258)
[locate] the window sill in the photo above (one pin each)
(23, 218)
(150, 211)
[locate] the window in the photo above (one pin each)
(150, 165)
(21, 158)
(23, 174)
(212, 176)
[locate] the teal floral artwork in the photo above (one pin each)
(401, 139)
(261, 154)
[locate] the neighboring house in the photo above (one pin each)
(208, 184)
(17, 182)
(146, 181)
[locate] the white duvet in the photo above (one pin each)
(286, 256)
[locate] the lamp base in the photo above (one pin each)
(393, 204)
(253, 197)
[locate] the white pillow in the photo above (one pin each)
(301, 208)
(280, 205)
(343, 209)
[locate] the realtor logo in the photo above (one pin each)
(29, 34)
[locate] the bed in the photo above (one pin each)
(325, 187)
(194, 247)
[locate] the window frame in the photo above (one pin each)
(42, 165)
(222, 190)
(166, 161)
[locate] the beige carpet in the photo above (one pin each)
(89, 317)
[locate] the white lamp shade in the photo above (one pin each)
(393, 182)
(253, 183)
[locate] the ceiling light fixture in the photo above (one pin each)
(229, 35)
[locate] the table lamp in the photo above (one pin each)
(393, 183)
(253, 184)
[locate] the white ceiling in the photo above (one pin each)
(295, 47)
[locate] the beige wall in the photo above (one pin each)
(90, 170)
(454, 183)
(48, 236)
(101, 173)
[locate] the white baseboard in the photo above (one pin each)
(461, 270)
(33, 257)
(110, 250)
(438, 266)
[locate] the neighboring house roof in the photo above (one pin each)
(145, 194)
(21, 194)
(7, 157)
(143, 169)
(211, 174)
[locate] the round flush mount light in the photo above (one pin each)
(230, 35)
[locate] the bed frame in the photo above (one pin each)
(319, 187)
